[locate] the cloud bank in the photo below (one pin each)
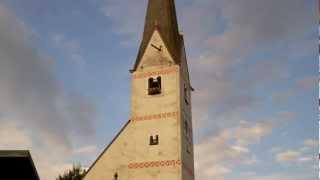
(36, 110)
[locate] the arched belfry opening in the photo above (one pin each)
(154, 86)
(154, 140)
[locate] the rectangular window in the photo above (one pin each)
(154, 140)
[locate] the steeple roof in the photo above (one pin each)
(161, 16)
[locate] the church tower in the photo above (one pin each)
(157, 141)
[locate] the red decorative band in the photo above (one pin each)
(155, 116)
(152, 164)
(189, 171)
(155, 73)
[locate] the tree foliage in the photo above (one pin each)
(76, 173)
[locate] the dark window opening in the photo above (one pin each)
(115, 176)
(154, 86)
(154, 140)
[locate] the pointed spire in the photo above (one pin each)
(161, 15)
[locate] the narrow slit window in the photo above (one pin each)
(188, 149)
(186, 127)
(186, 94)
(154, 86)
(154, 140)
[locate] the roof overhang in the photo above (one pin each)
(17, 164)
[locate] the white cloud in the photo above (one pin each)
(216, 172)
(306, 153)
(288, 156)
(274, 176)
(311, 143)
(91, 149)
(129, 25)
(13, 137)
(218, 155)
(70, 47)
(49, 158)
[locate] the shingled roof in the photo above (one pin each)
(161, 15)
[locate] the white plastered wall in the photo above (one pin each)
(132, 145)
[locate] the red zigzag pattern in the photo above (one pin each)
(155, 73)
(151, 164)
(155, 116)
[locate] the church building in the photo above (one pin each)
(157, 142)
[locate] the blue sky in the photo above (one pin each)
(65, 89)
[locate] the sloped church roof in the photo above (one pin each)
(161, 16)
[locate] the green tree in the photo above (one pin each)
(76, 173)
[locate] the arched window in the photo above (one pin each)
(154, 86)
